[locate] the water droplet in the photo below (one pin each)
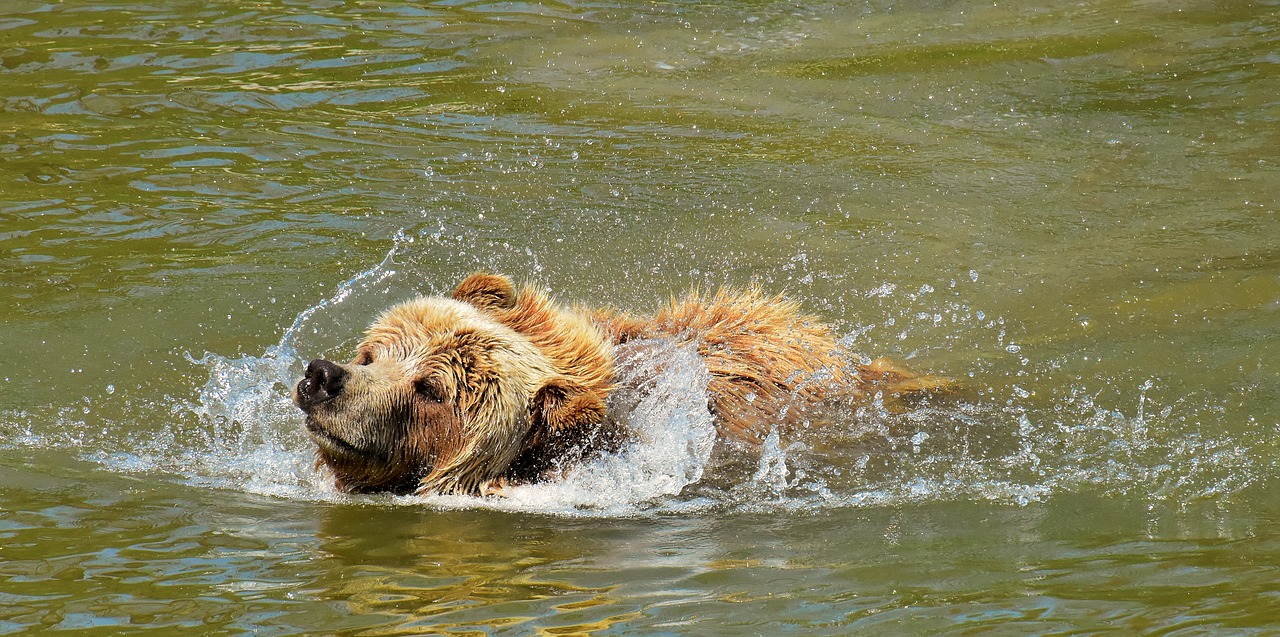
(918, 440)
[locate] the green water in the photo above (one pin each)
(1074, 207)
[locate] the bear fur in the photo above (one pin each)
(495, 386)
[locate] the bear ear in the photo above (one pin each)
(565, 423)
(561, 406)
(487, 291)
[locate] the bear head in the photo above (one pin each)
(455, 395)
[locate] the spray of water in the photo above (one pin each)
(246, 435)
(242, 432)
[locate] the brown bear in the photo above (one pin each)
(497, 386)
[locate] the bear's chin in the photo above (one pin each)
(330, 442)
(356, 473)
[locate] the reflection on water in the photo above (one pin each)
(1069, 206)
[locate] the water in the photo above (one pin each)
(1071, 207)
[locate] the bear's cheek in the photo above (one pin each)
(436, 432)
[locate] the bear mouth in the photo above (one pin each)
(328, 440)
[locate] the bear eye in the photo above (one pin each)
(364, 357)
(430, 388)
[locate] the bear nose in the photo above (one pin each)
(323, 381)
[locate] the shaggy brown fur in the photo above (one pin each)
(494, 385)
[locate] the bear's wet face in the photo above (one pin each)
(437, 398)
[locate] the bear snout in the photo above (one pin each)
(323, 381)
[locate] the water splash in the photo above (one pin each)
(245, 433)
(242, 432)
(361, 281)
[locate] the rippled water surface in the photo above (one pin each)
(1073, 207)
